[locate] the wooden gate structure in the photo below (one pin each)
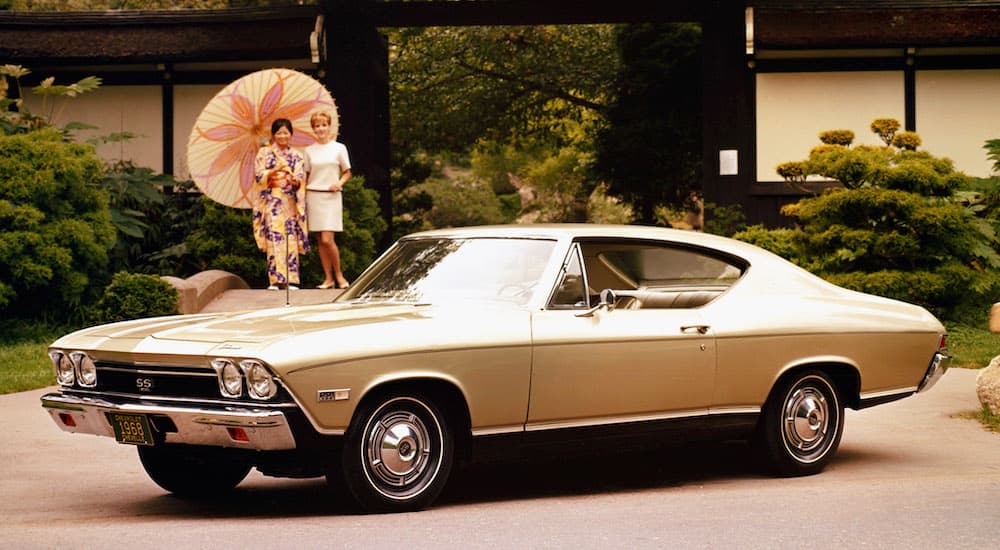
(339, 42)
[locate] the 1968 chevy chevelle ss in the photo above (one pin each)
(499, 338)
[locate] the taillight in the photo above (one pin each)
(943, 343)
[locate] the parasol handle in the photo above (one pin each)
(288, 284)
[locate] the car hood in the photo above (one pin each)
(299, 336)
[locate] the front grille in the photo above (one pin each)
(154, 381)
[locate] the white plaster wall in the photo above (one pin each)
(136, 109)
(957, 111)
(189, 100)
(793, 108)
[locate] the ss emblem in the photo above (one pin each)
(144, 384)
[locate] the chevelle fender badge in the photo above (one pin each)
(333, 395)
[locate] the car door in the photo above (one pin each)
(617, 365)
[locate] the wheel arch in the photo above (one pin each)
(844, 374)
(445, 394)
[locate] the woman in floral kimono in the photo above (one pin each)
(279, 218)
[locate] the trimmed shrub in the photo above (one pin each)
(55, 226)
(906, 140)
(136, 296)
(885, 128)
(779, 241)
(837, 137)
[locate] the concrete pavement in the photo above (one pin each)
(909, 474)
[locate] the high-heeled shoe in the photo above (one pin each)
(345, 285)
(324, 286)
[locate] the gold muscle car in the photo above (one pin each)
(486, 338)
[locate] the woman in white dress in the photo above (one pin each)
(328, 168)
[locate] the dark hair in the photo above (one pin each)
(278, 123)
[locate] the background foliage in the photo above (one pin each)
(223, 240)
(896, 228)
(55, 225)
(135, 296)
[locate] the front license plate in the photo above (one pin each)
(131, 428)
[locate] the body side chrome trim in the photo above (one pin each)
(591, 422)
(734, 410)
(888, 393)
(498, 430)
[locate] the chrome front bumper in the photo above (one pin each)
(266, 429)
(935, 371)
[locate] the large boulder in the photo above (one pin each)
(988, 386)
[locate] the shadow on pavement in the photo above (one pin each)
(571, 475)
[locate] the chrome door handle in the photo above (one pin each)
(700, 329)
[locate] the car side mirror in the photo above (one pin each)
(607, 301)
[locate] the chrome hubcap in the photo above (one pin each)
(398, 449)
(806, 420)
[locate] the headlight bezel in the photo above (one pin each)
(63, 366)
(230, 377)
(260, 383)
(86, 369)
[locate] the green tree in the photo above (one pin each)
(55, 226)
(895, 228)
(452, 87)
(650, 151)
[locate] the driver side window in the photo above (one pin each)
(570, 292)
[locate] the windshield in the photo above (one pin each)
(450, 270)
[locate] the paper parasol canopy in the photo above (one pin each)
(237, 122)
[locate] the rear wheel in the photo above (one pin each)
(190, 472)
(801, 425)
(397, 454)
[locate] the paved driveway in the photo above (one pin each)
(908, 475)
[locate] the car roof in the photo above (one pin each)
(586, 230)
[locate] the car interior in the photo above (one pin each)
(644, 276)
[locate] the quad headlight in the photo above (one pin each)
(86, 370)
(65, 373)
(230, 378)
(74, 367)
(260, 383)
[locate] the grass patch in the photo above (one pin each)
(989, 420)
(972, 347)
(24, 361)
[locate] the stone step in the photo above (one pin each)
(246, 299)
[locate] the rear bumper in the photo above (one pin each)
(935, 371)
(265, 429)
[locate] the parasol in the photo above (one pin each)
(237, 121)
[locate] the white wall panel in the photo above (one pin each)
(793, 108)
(957, 111)
(136, 109)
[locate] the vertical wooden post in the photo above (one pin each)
(355, 69)
(729, 107)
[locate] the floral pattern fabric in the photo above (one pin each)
(279, 215)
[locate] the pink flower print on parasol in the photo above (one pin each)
(237, 122)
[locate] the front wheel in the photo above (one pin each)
(191, 472)
(801, 424)
(398, 454)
